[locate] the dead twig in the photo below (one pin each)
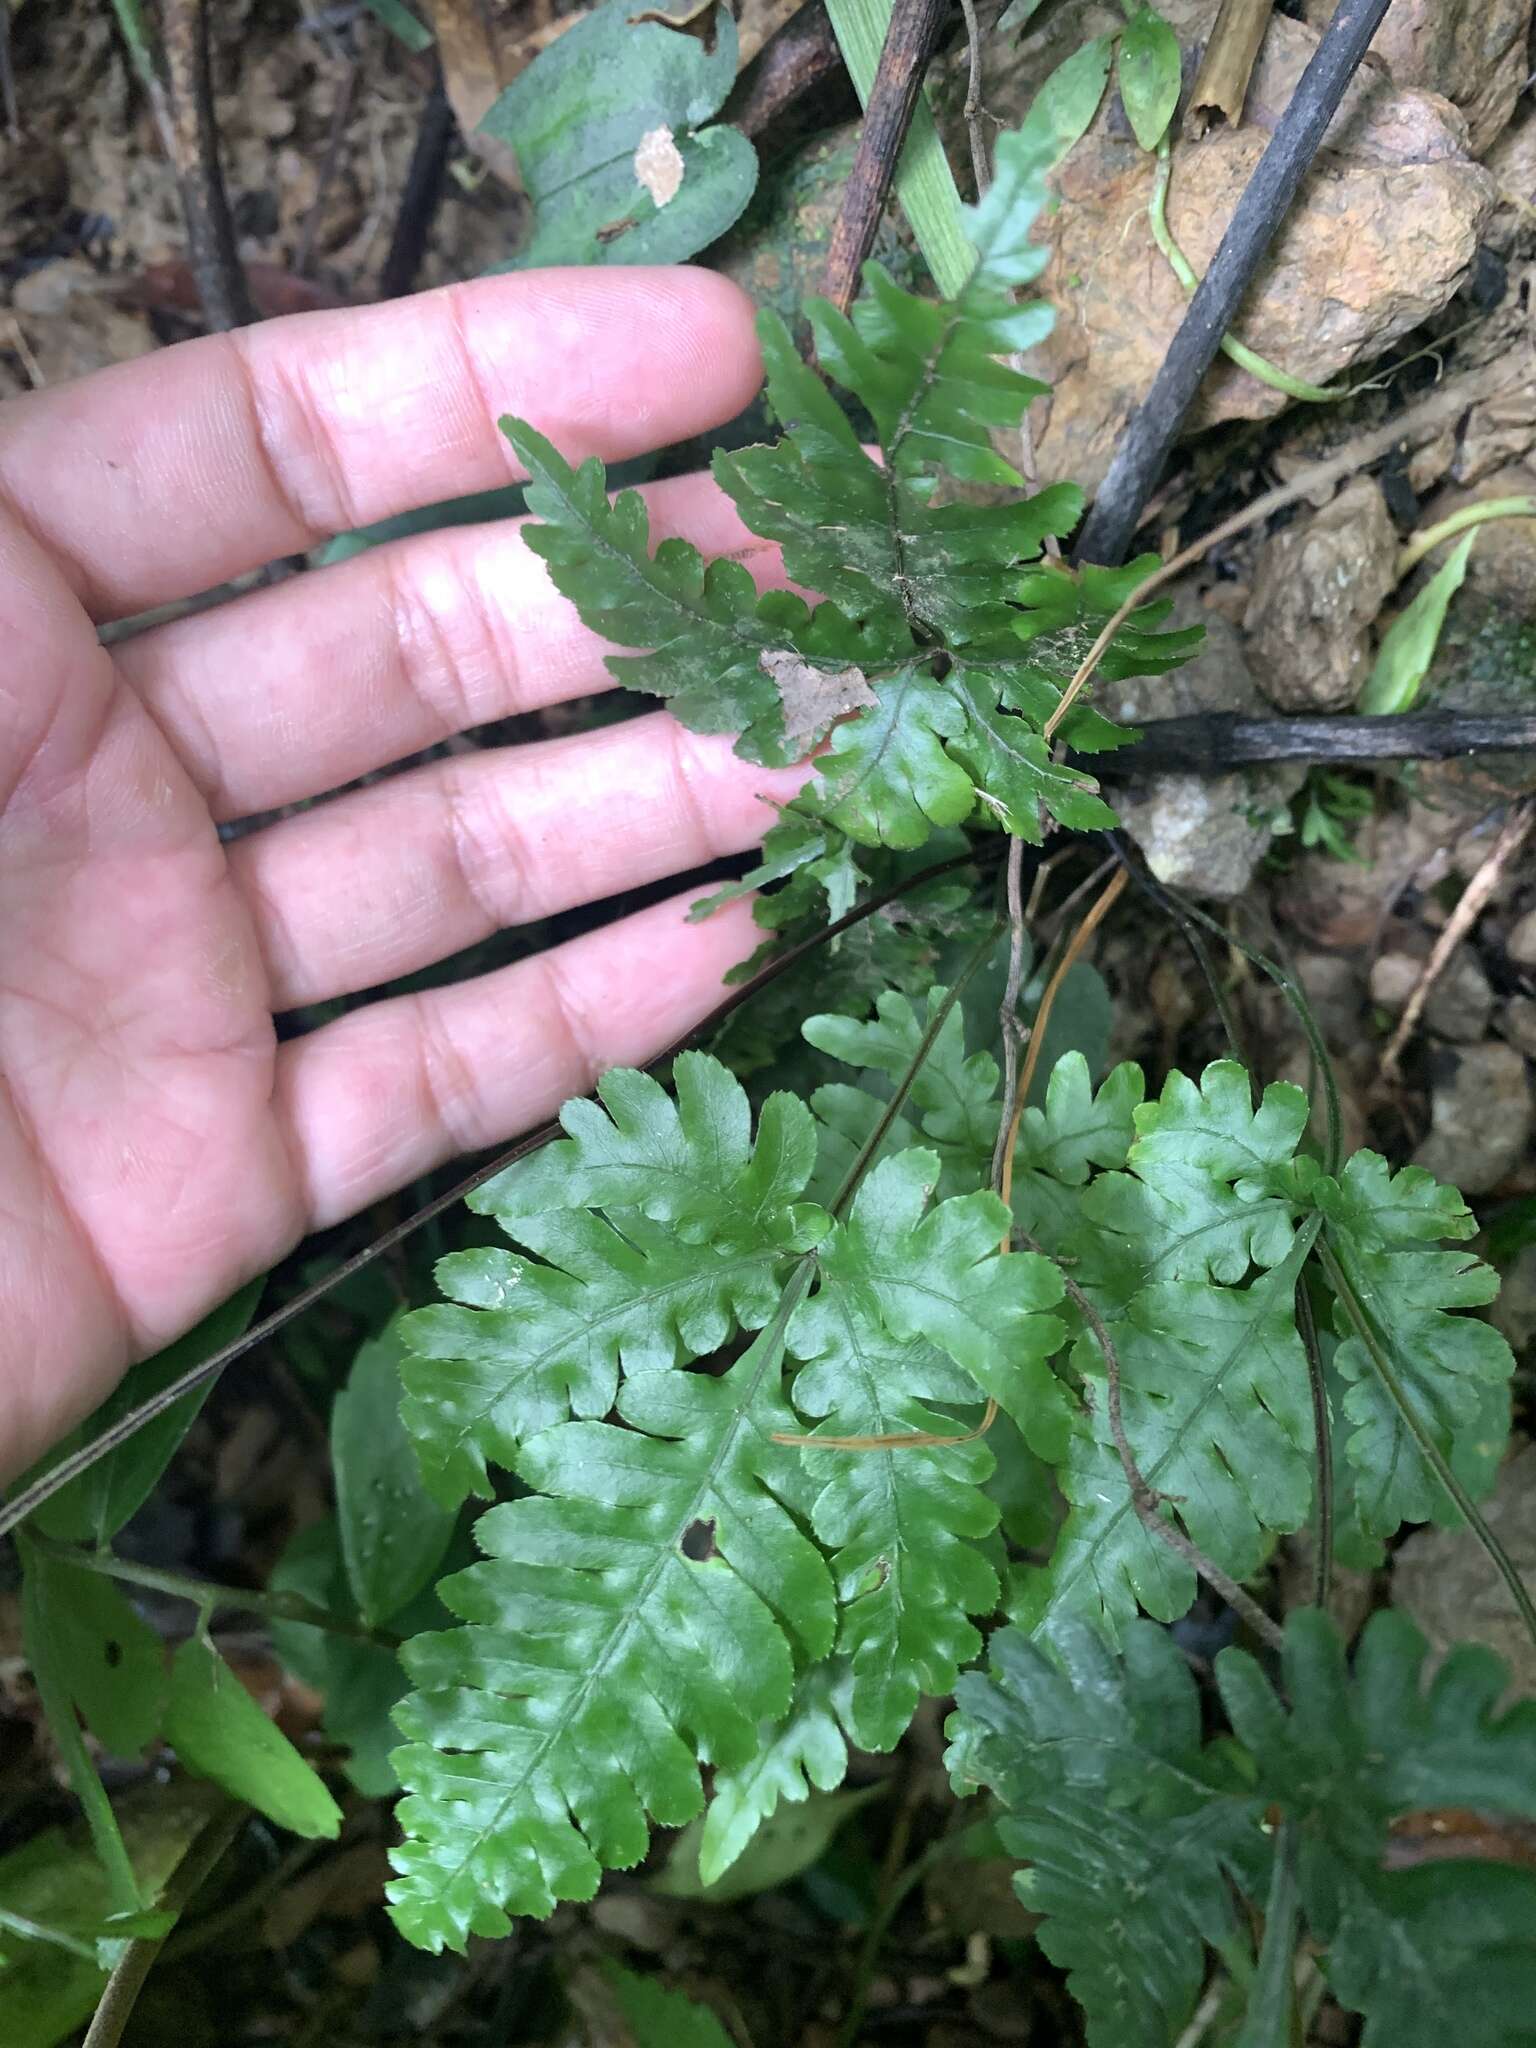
(1212, 742)
(194, 138)
(887, 117)
(1473, 901)
(1145, 1498)
(1221, 83)
(792, 64)
(1417, 423)
(422, 193)
(1265, 201)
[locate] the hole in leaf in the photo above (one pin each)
(114, 1653)
(697, 1542)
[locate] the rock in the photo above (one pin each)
(1471, 51)
(1442, 1577)
(1461, 1002)
(1338, 903)
(1342, 281)
(1394, 977)
(1517, 1021)
(1318, 586)
(1521, 943)
(1513, 1310)
(1480, 1116)
(1502, 565)
(1198, 833)
(1206, 833)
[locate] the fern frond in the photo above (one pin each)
(1125, 1825)
(632, 1618)
(807, 1749)
(1132, 1831)
(1455, 1369)
(699, 1219)
(1215, 1404)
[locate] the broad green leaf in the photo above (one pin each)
(1062, 111)
(580, 112)
(111, 1661)
(393, 1533)
(219, 1732)
(92, 1508)
(1409, 643)
(1147, 72)
(659, 2018)
(47, 1993)
(805, 1753)
(785, 1845)
(1451, 1367)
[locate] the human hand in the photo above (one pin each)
(158, 1146)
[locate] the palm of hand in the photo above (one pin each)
(157, 1144)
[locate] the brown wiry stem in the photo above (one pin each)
(1470, 906)
(887, 117)
(221, 280)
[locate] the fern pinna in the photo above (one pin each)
(738, 1368)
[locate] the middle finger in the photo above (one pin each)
(301, 688)
(386, 880)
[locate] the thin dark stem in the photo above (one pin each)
(1379, 1353)
(1211, 743)
(1266, 199)
(887, 117)
(277, 1606)
(1322, 1438)
(1008, 1011)
(127, 1980)
(422, 194)
(1145, 1498)
(221, 280)
(8, 78)
(796, 60)
(975, 120)
(70, 1468)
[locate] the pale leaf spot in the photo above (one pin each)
(814, 698)
(659, 165)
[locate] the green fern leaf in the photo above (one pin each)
(1453, 1368)
(1207, 1193)
(807, 1749)
(632, 1618)
(700, 1218)
(1125, 1825)
(1215, 1405)
(1356, 1751)
(1079, 1127)
(1133, 1832)
(955, 1095)
(889, 778)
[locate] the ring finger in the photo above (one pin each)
(390, 879)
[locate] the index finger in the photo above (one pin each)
(163, 477)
